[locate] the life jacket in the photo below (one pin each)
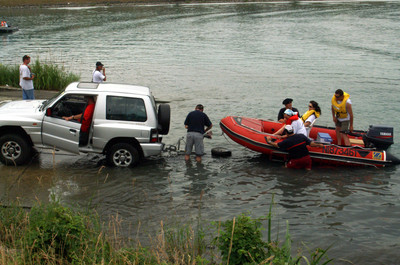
(3, 23)
(293, 118)
(308, 114)
(340, 109)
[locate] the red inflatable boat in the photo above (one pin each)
(368, 147)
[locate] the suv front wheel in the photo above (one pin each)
(14, 149)
(122, 155)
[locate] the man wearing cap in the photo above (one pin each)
(195, 123)
(26, 78)
(288, 105)
(292, 118)
(99, 77)
(296, 146)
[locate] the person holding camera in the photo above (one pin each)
(26, 78)
(98, 76)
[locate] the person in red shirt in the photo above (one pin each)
(86, 120)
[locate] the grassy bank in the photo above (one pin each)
(55, 234)
(47, 76)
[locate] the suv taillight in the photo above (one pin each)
(154, 138)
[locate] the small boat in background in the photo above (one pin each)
(368, 148)
(8, 29)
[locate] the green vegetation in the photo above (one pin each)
(241, 242)
(55, 234)
(47, 76)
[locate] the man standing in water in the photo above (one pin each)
(296, 146)
(99, 77)
(342, 114)
(26, 78)
(195, 123)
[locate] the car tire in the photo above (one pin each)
(220, 152)
(14, 149)
(123, 155)
(164, 117)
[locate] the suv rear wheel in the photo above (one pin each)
(123, 155)
(15, 149)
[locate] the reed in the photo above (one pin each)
(48, 76)
(55, 234)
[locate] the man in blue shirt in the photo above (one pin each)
(195, 123)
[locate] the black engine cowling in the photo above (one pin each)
(380, 137)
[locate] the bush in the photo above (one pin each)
(9, 75)
(57, 230)
(241, 242)
(47, 76)
(13, 220)
(51, 77)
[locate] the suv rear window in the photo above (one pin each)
(125, 109)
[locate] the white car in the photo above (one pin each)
(126, 125)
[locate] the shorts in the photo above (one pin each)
(297, 163)
(28, 94)
(343, 125)
(196, 139)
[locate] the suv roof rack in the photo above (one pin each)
(88, 85)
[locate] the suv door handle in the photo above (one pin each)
(73, 131)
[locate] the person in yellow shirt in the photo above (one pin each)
(342, 114)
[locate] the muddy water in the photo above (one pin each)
(236, 59)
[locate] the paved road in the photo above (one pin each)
(12, 93)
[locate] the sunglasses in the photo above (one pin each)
(310, 106)
(336, 96)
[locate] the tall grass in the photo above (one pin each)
(55, 234)
(48, 76)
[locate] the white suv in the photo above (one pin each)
(126, 124)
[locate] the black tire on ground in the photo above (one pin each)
(164, 117)
(123, 155)
(14, 149)
(221, 152)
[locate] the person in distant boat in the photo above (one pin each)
(314, 111)
(195, 123)
(291, 118)
(26, 79)
(85, 118)
(296, 146)
(4, 24)
(342, 115)
(98, 76)
(288, 105)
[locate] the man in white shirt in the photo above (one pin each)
(292, 118)
(99, 77)
(26, 78)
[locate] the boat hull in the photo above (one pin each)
(252, 133)
(8, 29)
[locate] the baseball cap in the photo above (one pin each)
(289, 112)
(99, 64)
(289, 128)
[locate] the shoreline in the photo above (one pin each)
(82, 3)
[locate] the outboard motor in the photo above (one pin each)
(380, 137)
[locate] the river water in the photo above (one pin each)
(236, 59)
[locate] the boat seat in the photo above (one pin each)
(356, 141)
